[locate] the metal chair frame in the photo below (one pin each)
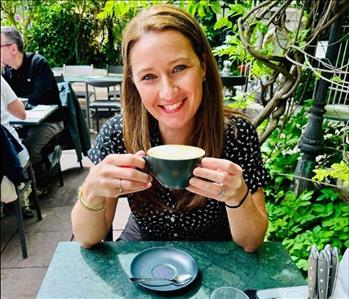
(115, 69)
(79, 70)
(18, 207)
(101, 105)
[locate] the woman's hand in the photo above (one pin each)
(223, 180)
(116, 175)
(218, 179)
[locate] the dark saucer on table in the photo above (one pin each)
(163, 263)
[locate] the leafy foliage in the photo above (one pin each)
(336, 171)
(71, 36)
(317, 217)
(307, 219)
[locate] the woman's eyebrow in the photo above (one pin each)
(150, 69)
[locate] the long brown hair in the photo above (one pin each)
(209, 130)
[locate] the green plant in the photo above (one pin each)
(117, 13)
(241, 100)
(314, 217)
(63, 36)
(281, 153)
(310, 218)
(276, 47)
(336, 171)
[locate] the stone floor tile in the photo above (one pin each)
(69, 160)
(60, 196)
(6, 238)
(21, 283)
(122, 214)
(8, 229)
(54, 219)
(41, 247)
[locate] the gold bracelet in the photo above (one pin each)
(97, 209)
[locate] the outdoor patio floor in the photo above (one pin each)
(21, 278)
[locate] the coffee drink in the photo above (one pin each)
(173, 164)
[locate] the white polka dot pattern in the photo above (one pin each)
(208, 222)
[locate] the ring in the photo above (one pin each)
(222, 191)
(120, 187)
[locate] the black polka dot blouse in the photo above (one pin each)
(209, 222)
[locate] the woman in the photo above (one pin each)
(172, 94)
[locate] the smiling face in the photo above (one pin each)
(168, 76)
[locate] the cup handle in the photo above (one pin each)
(147, 168)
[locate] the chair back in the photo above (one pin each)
(114, 69)
(101, 83)
(337, 107)
(103, 103)
(109, 85)
(59, 78)
(78, 69)
(10, 165)
(75, 134)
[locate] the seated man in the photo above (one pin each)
(30, 76)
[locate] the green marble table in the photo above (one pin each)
(102, 272)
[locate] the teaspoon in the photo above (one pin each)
(177, 280)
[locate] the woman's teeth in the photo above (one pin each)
(173, 106)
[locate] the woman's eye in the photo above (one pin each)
(179, 68)
(148, 77)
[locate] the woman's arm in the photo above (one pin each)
(114, 176)
(91, 232)
(223, 180)
(249, 222)
(16, 108)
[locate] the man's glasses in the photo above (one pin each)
(6, 45)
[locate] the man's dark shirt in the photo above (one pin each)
(34, 80)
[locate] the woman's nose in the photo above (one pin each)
(168, 89)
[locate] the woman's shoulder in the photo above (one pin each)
(112, 126)
(108, 141)
(239, 125)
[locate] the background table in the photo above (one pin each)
(117, 78)
(35, 116)
(102, 272)
(113, 78)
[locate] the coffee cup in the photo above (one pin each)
(173, 164)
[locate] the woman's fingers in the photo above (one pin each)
(117, 174)
(218, 170)
(126, 160)
(223, 164)
(207, 187)
(209, 174)
(219, 179)
(202, 192)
